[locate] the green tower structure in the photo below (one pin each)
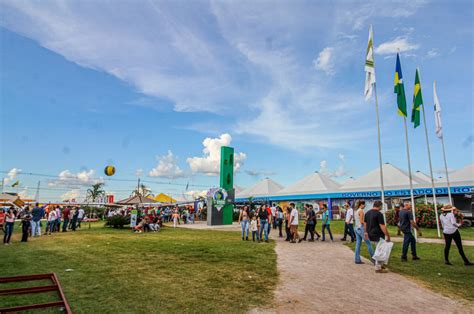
(227, 182)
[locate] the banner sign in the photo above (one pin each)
(133, 218)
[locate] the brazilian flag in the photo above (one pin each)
(417, 101)
(400, 89)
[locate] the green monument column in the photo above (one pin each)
(227, 182)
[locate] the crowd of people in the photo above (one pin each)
(362, 226)
(56, 218)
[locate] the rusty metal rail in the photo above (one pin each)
(56, 286)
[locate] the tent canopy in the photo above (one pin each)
(311, 184)
(136, 200)
(163, 198)
(464, 175)
(393, 178)
(264, 187)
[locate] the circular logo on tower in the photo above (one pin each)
(219, 197)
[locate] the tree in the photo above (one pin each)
(94, 193)
(142, 190)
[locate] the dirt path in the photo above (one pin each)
(343, 286)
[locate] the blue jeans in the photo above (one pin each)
(35, 228)
(359, 238)
(245, 227)
(408, 239)
(264, 228)
(327, 226)
(8, 232)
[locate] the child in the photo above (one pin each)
(254, 228)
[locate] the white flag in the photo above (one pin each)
(369, 66)
(437, 109)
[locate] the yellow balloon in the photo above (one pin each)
(109, 170)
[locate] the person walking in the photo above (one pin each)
(349, 222)
(359, 231)
(274, 216)
(25, 224)
(244, 222)
(407, 223)
(9, 224)
(80, 216)
(375, 229)
(326, 220)
(309, 227)
(175, 218)
(280, 219)
(254, 228)
(37, 214)
(66, 213)
(451, 232)
(75, 215)
(57, 226)
(264, 218)
(294, 222)
(287, 224)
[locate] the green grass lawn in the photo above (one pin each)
(175, 270)
(337, 227)
(431, 271)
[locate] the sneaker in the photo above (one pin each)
(404, 259)
(247, 238)
(381, 271)
(300, 240)
(287, 239)
(468, 263)
(343, 239)
(448, 263)
(311, 240)
(360, 262)
(266, 241)
(292, 241)
(415, 258)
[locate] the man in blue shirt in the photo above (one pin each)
(36, 214)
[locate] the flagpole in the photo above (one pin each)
(380, 150)
(409, 174)
(431, 168)
(446, 169)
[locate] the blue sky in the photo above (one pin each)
(142, 85)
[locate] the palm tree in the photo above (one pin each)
(143, 191)
(94, 193)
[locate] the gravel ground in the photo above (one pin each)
(342, 286)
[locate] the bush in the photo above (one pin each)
(117, 221)
(425, 215)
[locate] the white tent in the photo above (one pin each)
(238, 189)
(265, 187)
(349, 180)
(394, 179)
(422, 177)
(464, 176)
(312, 184)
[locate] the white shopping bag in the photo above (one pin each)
(382, 251)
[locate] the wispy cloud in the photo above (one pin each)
(324, 61)
(400, 43)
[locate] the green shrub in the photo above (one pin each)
(425, 215)
(117, 221)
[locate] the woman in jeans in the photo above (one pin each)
(359, 224)
(451, 232)
(9, 222)
(244, 222)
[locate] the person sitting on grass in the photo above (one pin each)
(451, 232)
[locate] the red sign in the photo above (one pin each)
(110, 199)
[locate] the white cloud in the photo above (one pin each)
(209, 164)
(400, 43)
(11, 175)
(324, 62)
(167, 167)
(70, 195)
(433, 53)
(259, 173)
(340, 170)
(139, 172)
(82, 178)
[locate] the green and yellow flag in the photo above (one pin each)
(417, 101)
(400, 89)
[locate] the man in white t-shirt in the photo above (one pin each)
(349, 223)
(294, 224)
(273, 209)
(80, 216)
